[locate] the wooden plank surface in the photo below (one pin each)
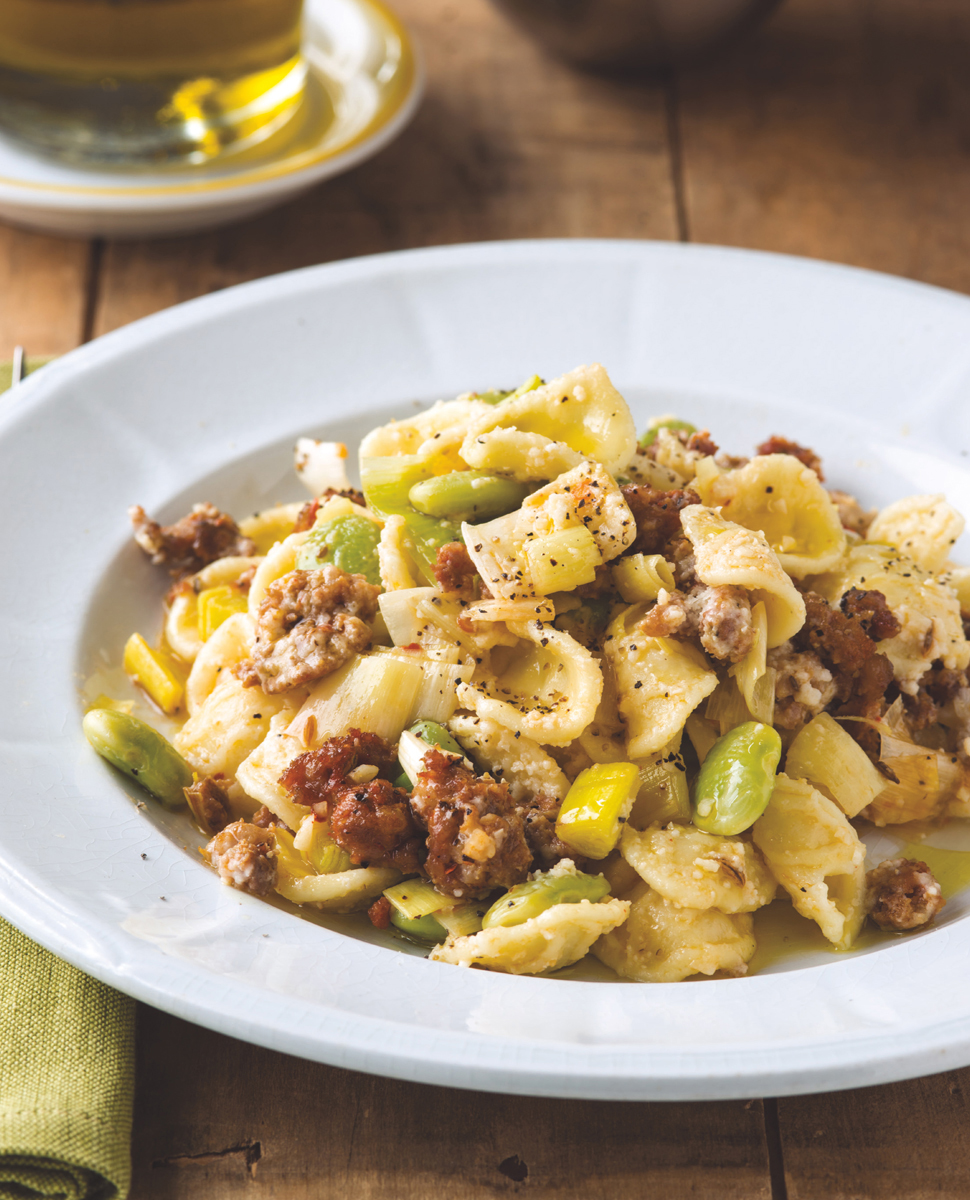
(214, 1115)
(44, 291)
(839, 131)
(507, 144)
(907, 1141)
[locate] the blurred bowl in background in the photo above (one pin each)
(639, 34)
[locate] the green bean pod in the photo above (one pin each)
(527, 900)
(349, 542)
(736, 779)
(468, 496)
(421, 929)
(655, 426)
(141, 752)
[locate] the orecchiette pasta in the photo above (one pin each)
(432, 699)
(777, 496)
(728, 554)
(816, 856)
(661, 942)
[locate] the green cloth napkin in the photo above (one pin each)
(31, 365)
(67, 1067)
(67, 1078)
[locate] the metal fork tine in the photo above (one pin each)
(19, 364)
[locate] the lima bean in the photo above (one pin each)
(654, 428)
(736, 779)
(348, 542)
(468, 496)
(527, 900)
(141, 752)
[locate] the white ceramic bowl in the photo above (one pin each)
(205, 401)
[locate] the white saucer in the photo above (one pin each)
(365, 84)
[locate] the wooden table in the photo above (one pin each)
(840, 130)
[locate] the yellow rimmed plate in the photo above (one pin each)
(364, 86)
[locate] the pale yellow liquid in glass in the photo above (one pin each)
(148, 81)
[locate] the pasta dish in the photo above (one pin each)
(548, 686)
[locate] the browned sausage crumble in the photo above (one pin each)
(902, 893)
(455, 572)
(245, 857)
(209, 803)
(657, 515)
(476, 835)
(198, 539)
(780, 445)
(719, 617)
(315, 778)
(309, 624)
(369, 817)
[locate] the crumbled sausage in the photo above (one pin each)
(851, 513)
(719, 616)
(317, 777)
(539, 820)
(245, 857)
(657, 515)
(780, 445)
(309, 624)
(861, 675)
(938, 687)
(454, 570)
(209, 803)
(878, 619)
(198, 539)
(369, 818)
(702, 443)
(265, 818)
(380, 913)
(373, 822)
(902, 893)
(308, 513)
(803, 685)
(476, 836)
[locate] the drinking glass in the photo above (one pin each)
(148, 82)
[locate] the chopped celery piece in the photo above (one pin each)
(155, 672)
(422, 929)
(702, 735)
(315, 842)
(562, 561)
(657, 423)
(497, 396)
(596, 807)
(349, 542)
(218, 604)
(288, 858)
(640, 577)
(417, 898)
(527, 900)
(473, 496)
(387, 484)
(826, 755)
(663, 794)
(463, 920)
(727, 707)
(411, 750)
